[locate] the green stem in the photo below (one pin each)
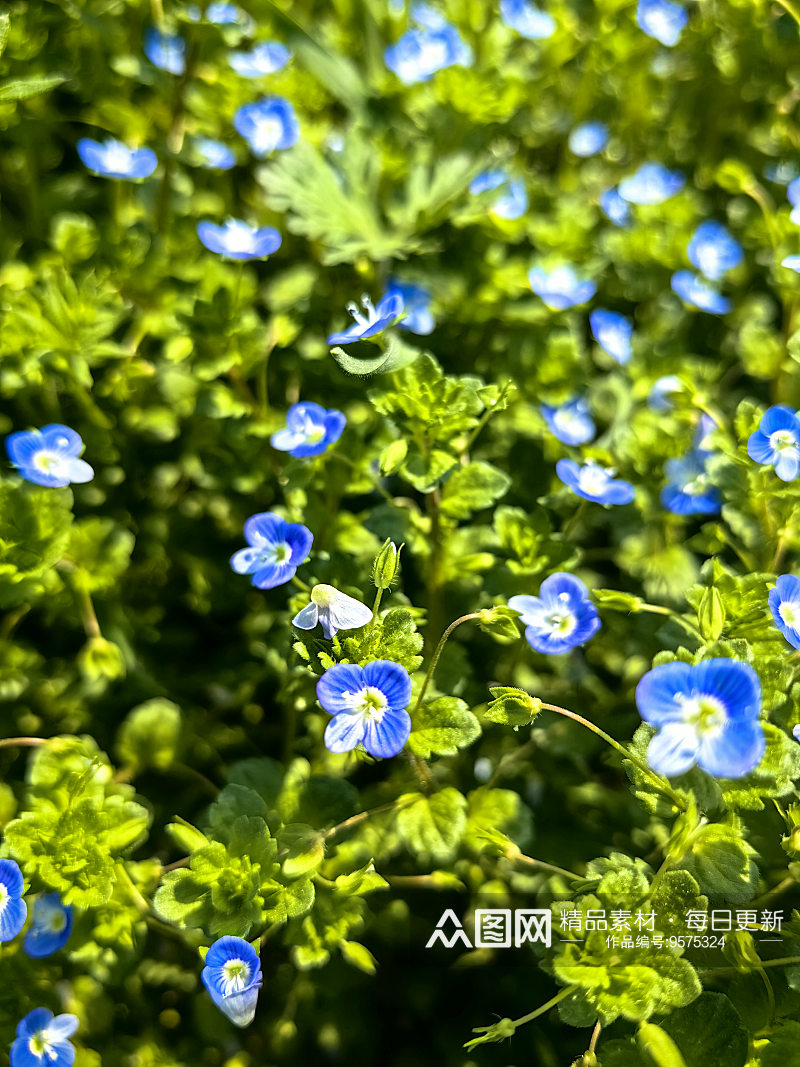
(76, 580)
(660, 782)
(657, 609)
(514, 1024)
(485, 418)
(437, 654)
(354, 820)
(572, 523)
(787, 961)
(519, 857)
(789, 7)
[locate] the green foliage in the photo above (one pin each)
(441, 727)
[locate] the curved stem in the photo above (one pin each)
(437, 654)
(662, 784)
(10, 742)
(520, 857)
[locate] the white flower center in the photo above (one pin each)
(324, 595)
(40, 1046)
(706, 713)
(371, 316)
(783, 441)
(117, 157)
(267, 134)
(236, 975)
(593, 480)
(369, 702)
(790, 613)
(47, 461)
(239, 238)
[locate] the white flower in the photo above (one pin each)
(333, 611)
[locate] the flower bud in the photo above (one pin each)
(386, 564)
(101, 660)
(711, 614)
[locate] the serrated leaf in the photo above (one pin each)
(442, 727)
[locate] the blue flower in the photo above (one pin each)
(310, 430)
(417, 316)
(792, 262)
(236, 240)
(706, 714)
(703, 430)
(223, 14)
(232, 976)
(374, 321)
(214, 154)
(777, 442)
(512, 203)
(594, 483)
(652, 183)
(333, 610)
(588, 139)
(613, 332)
(267, 124)
(265, 58)
(662, 19)
(13, 909)
(614, 207)
(688, 491)
(561, 287)
(42, 1040)
(660, 396)
(527, 19)
(560, 618)
(784, 603)
(49, 456)
(51, 926)
(368, 705)
(113, 159)
(570, 422)
(166, 51)
(277, 548)
(713, 250)
(793, 193)
(693, 290)
(421, 52)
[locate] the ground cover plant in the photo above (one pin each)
(398, 628)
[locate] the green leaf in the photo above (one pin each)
(721, 861)
(471, 488)
(25, 88)
(433, 825)
(442, 727)
(364, 359)
(657, 1047)
(358, 956)
(149, 735)
(709, 1031)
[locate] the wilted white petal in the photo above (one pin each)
(307, 618)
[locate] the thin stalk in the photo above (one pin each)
(787, 961)
(598, 1026)
(660, 782)
(520, 857)
(437, 654)
(22, 742)
(354, 820)
(791, 8)
(545, 1007)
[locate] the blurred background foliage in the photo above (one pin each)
(122, 623)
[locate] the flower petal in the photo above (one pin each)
(735, 683)
(733, 751)
(337, 684)
(344, 732)
(307, 618)
(392, 680)
(656, 692)
(387, 737)
(673, 750)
